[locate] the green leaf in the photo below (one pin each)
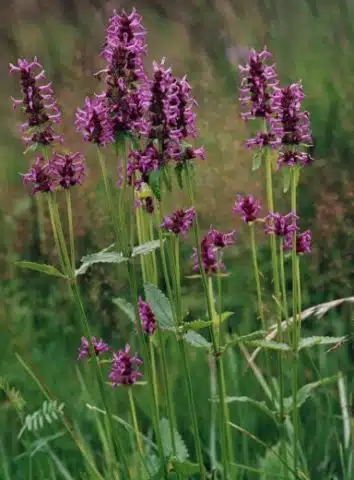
(225, 315)
(311, 341)
(272, 465)
(146, 248)
(41, 267)
(287, 173)
(185, 467)
(193, 338)
(197, 324)
(270, 345)
(181, 449)
(99, 257)
(179, 175)
(246, 338)
(260, 405)
(126, 307)
(305, 393)
(32, 148)
(257, 159)
(166, 178)
(161, 306)
(155, 183)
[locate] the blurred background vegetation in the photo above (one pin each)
(312, 40)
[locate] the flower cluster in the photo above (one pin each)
(38, 103)
(62, 170)
(147, 317)
(248, 206)
(280, 225)
(180, 221)
(211, 254)
(93, 122)
(125, 368)
(303, 242)
(99, 347)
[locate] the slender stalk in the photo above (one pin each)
(136, 430)
(283, 287)
(154, 374)
(257, 276)
(40, 219)
(71, 229)
(277, 294)
(55, 234)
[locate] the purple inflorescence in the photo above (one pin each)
(211, 246)
(42, 175)
(248, 206)
(99, 347)
(180, 221)
(69, 168)
(303, 242)
(93, 121)
(279, 224)
(147, 317)
(38, 103)
(124, 369)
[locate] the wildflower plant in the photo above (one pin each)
(147, 124)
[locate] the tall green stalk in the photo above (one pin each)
(139, 443)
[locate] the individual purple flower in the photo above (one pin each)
(181, 153)
(179, 104)
(99, 347)
(248, 206)
(144, 162)
(70, 168)
(303, 242)
(280, 225)
(264, 139)
(295, 123)
(38, 103)
(42, 175)
(257, 84)
(180, 221)
(125, 368)
(93, 121)
(292, 158)
(211, 246)
(147, 317)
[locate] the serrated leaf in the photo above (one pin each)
(305, 392)
(126, 307)
(197, 324)
(181, 449)
(155, 183)
(311, 341)
(41, 267)
(99, 257)
(195, 339)
(161, 306)
(270, 345)
(246, 338)
(146, 248)
(185, 467)
(287, 173)
(257, 159)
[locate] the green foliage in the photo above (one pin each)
(196, 340)
(161, 306)
(40, 267)
(48, 412)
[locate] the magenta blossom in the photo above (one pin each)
(292, 158)
(180, 221)
(99, 347)
(42, 175)
(211, 251)
(70, 168)
(38, 103)
(147, 317)
(303, 242)
(280, 225)
(248, 206)
(93, 121)
(125, 368)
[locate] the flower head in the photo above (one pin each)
(93, 121)
(180, 221)
(279, 224)
(303, 242)
(70, 168)
(125, 368)
(99, 347)
(220, 239)
(258, 81)
(293, 157)
(42, 175)
(144, 162)
(147, 317)
(38, 103)
(248, 206)
(211, 253)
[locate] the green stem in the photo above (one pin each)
(136, 430)
(71, 229)
(257, 276)
(154, 375)
(283, 287)
(55, 234)
(40, 219)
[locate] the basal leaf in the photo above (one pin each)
(41, 267)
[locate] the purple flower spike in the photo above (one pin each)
(147, 317)
(248, 206)
(125, 368)
(292, 158)
(220, 239)
(280, 225)
(70, 168)
(258, 81)
(211, 246)
(93, 121)
(42, 175)
(99, 346)
(38, 103)
(180, 221)
(303, 242)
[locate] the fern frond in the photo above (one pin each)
(49, 411)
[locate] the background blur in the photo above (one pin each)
(311, 40)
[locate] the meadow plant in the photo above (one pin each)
(147, 122)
